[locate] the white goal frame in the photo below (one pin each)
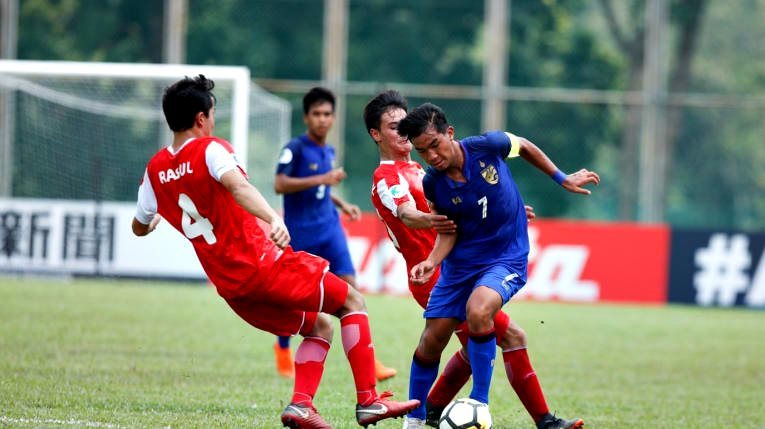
(238, 75)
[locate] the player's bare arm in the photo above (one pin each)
(251, 200)
(413, 218)
(572, 182)
(284, 184)
(141, 229)
(351, 210)
(422, 272)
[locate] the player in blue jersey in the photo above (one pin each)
(485, 263)
(305, 174)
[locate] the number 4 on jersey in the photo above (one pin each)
(201, 225)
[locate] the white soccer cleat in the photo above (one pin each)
(413, 423)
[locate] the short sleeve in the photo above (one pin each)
(220, 161)
(393, 191)
(499, 142)
(146, 207)
(288, 159)
(428, 185)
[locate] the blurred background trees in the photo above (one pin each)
(574, 80)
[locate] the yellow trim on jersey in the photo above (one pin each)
(515, 145)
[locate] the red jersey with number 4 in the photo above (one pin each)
(231, 246)
(395, 183)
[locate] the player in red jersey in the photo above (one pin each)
(398, 197)
(198, 186)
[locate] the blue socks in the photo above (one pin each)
(284, 342)
(421, 378)
(482, 349)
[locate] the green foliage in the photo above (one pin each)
(274, 38)
(156, 355)
(553, 44)
(90, 30)
(432, 41)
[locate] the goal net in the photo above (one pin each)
(84, 131)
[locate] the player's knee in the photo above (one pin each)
(353, 302)
(480, 317)
(512, 337)
(323, 327)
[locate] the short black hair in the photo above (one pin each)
(184, 99)
(420, 119)
(383, 102)
(318, 95)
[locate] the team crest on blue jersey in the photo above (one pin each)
(456, 200)
(489, 173)
(313, 166)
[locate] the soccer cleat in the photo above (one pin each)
(297, 416)
(432, 414)
(285, 366)
(551, 422)
(413, 423)
(383, 408)
(382, 372)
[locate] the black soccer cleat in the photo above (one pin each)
(432, 414)
(549, 421)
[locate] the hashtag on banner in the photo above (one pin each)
(722, 269)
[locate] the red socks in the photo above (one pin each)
(309, 367)
(357, 343)
(456, 373)
(525, 382)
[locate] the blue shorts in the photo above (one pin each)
(450, 300)
(327, 242)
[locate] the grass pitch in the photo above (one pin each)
(151, 355)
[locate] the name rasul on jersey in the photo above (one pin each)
(175, 173)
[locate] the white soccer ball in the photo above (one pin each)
(465, 413)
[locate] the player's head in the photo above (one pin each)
(381, 116)
(430, 133)
(319, 111)
(190, 103)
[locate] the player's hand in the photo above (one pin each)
(422, 272)
(154, 222)
(530, 213)
(334, 176)
(279, 233)
(352, 210)
(575, 181)
(441, 223)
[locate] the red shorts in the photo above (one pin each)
(421, 293)
(285, 299)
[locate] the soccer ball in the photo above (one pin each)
(465, 413)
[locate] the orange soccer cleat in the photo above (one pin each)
(382, 372)
(285, 366)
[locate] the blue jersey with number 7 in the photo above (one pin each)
(487, 208)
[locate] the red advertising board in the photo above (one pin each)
(594, 261)
(569, 260)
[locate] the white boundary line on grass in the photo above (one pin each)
(70, 422)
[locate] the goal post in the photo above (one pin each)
(74, 142)
(129, 95)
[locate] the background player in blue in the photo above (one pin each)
(485, 263)
(305, 174)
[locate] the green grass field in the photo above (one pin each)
(155, 355)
